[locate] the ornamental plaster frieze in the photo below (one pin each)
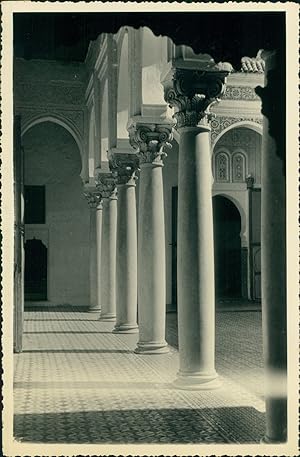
(193, 92)
(106, 184)
(151, 140)
(218, 124)
(123, 166)
(39, 93)
(240, 93)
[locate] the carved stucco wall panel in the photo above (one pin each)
(240, 93)
(45, 93)
(221, 123)
(74, 119)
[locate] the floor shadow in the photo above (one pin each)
(101, 385)
(76, 351)
(63, 319)
(220, 425)
(65, 332)
(56, 308)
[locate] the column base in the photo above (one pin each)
(197, 381)
(152, 347)
(126, 328)
(94, 310)
(108, 317)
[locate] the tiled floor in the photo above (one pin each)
(76, 382)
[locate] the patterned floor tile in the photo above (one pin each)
(76, 382)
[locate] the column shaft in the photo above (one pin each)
(195, 262)
(126, 303)
(93, 262)
(97, 307)
(108, 274)
(274, 289)
(151, 261)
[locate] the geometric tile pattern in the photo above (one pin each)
(76, 382)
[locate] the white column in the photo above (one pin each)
(151, 262)
(94, 201)
(191, 93)
(92, 257)
(150, 140)
(97, 307)
(125, 166)
(195, 262)
(109, 239)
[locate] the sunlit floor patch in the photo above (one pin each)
(76, 382)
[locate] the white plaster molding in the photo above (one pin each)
(237, 108)
(245, 79)
(119, 37)
(97, 101)
(229, 186)
(123, 145)
(112, 76)
(154, 110)
(89, 93)
(101, 61)
(135, 70)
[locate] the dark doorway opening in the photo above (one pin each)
(227, 245)
(35, 283)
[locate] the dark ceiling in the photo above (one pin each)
(226, 36)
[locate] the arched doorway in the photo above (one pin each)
(227, 244)
(35, 281)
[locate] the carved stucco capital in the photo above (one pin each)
(106, 184)
(151, 140)
(123, 166)
(93, 197)
(193, 92)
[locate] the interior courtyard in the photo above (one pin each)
(150, 230)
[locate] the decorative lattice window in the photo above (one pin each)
(238, 167)
(222, 167)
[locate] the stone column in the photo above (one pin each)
(273, 248)
(150, 140)
(124, 167)
(106, 184)
(19, 232)
(94, 201)
(192, 93)
(99, 209)
(250, 183)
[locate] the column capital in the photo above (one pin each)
(192, 92)
(123, 166)
(93, 197)
(150, 139)
(106, 184)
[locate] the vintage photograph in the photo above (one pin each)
(148, 216)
